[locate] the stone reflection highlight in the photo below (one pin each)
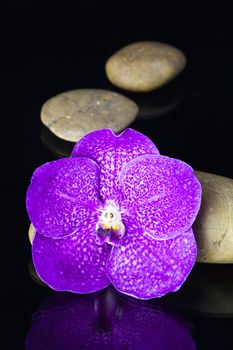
(160, 103)
(58, 147)
(106, 321)
(208, 291)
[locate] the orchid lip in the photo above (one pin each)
(110, 228)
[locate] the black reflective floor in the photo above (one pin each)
(50, 49)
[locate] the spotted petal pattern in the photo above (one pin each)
(162, 194)
(62, 195)
(148, 268)
(158, 199)
(112, 152)
(74, 263)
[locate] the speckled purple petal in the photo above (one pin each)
(74, 263)
(146, 268)
(112, 152)
(162, 193)
(62, 194)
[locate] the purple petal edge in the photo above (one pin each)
(62, 195)
(162, 194)
(111, 152)
(74, 264)
(147, 268)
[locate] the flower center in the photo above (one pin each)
(110, 228)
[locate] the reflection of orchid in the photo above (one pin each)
(115, 212)
(105, 321)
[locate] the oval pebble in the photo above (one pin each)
(144, 66)
(31, 232)
(213, 227)
(72, 114)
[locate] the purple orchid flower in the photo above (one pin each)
(115, 212)
(107, 321)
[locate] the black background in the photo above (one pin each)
(53, 47)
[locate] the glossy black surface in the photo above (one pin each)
(47, 49)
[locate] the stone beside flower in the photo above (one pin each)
(115, 212)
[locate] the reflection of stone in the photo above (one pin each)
(34, 275)
(106, 321)
(144, 66)
(31, 268)
(213, 227)
(158, 109)
(60, 148)
(73, 114)
(208, 290)
(159, 103)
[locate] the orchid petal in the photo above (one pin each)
(162, 194)
(62, 194)
(112, 152)
(74, 263)
(146, 268)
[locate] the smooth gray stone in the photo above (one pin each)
(73, 114)
(213, 227)
(144, 66)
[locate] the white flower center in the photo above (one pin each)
(110, 218)
(110, 227)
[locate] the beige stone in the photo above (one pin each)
(73, 114)
(213, 227)
(31, 233)
(144, 66)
